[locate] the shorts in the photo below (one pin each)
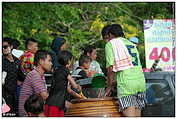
(53, 111)
(137, 100)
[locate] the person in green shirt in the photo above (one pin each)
(130, 82)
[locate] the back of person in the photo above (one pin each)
(27, 59)
(59, 86)
(55, 104)
(135, 77)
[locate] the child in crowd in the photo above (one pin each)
(55, 104)
(34, 106)
(82, 70)
(94, 67)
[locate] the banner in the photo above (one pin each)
(160, 38)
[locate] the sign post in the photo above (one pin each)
(160, 38)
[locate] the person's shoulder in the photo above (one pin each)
(33, 74)
(28, 54)
(125, 40)
(15, 58)
(108, 47)
(62, 69)
(108, 44)
(95, 62)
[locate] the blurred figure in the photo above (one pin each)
(34, 106)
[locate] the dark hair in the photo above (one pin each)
(29, 40)
(116, 30)
(64, 57)
(8, 40)
(57, 43)
(15, 43)
(105, 30)
(40, 54)
(84, 59)
(89, 49)
(34, 104)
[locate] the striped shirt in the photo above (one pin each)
(33, 84)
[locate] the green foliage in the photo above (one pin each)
(78, 23)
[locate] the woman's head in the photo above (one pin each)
(65, 58)
(58, 44)
(91, 52)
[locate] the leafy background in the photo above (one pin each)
(80, 23)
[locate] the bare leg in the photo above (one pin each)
(138, 112)
(130, 112)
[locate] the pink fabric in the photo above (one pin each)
(5, 108)
(122, 57)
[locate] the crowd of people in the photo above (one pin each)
(24, 87)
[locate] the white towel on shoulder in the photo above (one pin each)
(122, 58)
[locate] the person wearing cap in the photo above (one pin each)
(58, 44)
(134, 40)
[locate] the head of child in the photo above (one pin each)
(65, 59)
(84, 62)
(31, 45)
(34, 106)
(91, 52)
